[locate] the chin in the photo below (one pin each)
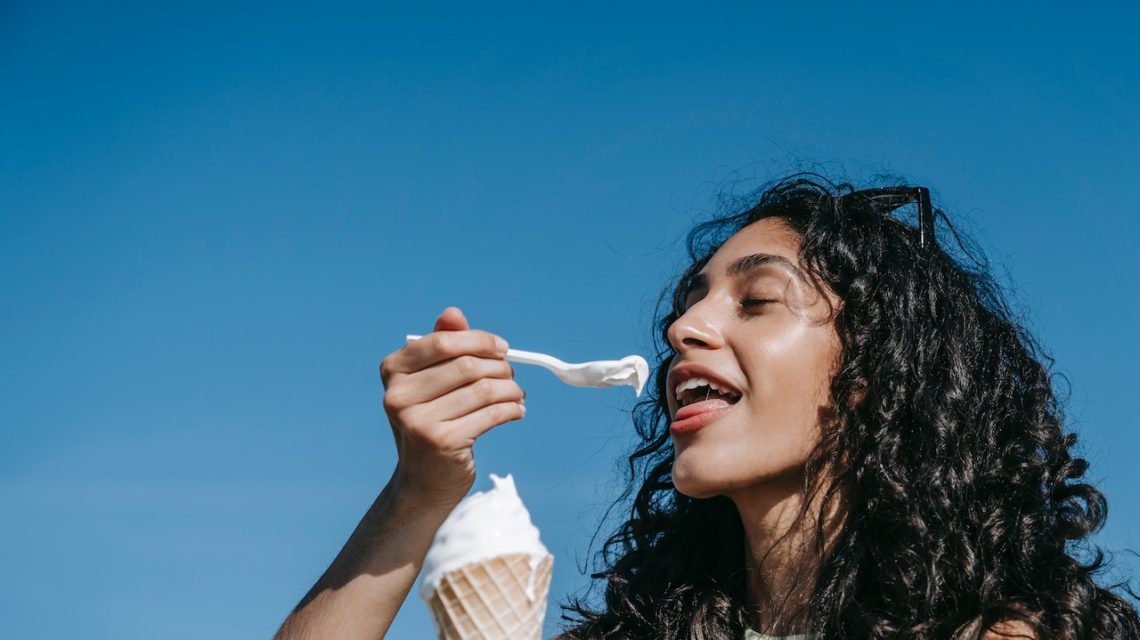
(697, 479)
(694, 484)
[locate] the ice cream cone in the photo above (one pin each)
(500, 598)
(487, 573)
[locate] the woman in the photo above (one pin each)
(850, 436)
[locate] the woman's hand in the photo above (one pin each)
(441, 393)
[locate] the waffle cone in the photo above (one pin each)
(488, 600)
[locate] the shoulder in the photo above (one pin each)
(1010, 630)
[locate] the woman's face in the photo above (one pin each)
(756, 327)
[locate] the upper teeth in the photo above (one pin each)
(693, 383)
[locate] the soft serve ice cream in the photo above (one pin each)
(484, 525)
(487, 574)
(631, 370)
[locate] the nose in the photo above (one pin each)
(695, 329)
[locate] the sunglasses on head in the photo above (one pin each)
(892, 198)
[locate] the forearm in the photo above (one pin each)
(360, 593)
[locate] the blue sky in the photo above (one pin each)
(216, 219)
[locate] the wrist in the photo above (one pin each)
(408, 498)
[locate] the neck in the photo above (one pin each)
(782, 552)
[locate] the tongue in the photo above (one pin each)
(693, 409)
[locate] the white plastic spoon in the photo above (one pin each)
(630, 370)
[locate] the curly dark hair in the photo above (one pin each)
(963, 494)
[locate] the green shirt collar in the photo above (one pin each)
(749, 634)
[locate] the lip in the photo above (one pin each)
(689, 370)
(697, 415)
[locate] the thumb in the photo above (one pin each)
(452, 319)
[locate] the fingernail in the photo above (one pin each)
(512, 371)
(523, 407)
(501, 344)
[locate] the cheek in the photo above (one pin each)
(792, 369)
(790, 384)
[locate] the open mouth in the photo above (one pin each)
(699, 390)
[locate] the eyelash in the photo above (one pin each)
(747, 303)
(754, 302)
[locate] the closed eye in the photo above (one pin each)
(753, 302)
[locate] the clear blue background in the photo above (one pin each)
(217, 218)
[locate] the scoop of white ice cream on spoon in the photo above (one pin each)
(630, 370)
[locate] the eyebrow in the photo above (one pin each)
(745, 265)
